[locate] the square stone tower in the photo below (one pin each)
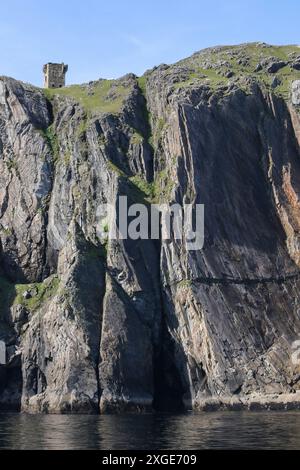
(55, 75)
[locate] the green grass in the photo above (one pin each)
(102, 140)
(94, 97)
(185, 283)
(141, 191)
(44, 291)
(105, 227)
(282, 52)
(286, 76)
(158, 191)
(67, 158)
(12, 294)
(210, 76)
(254, 53)
(136, 138)
(82, 128)
(6, 231)
(11, 164)
(159, 127)
(142, 84)
(163, 186)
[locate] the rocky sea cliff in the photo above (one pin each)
(97, 325)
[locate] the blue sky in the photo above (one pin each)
(110, 38)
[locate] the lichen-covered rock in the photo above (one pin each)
(92, 324)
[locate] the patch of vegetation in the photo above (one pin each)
(185, 283)
(11, 164)
(158, 131)
(142, 84)
(212, 66)
(139, 189)
(67, 158)
(285, 75)
(136, 138)
(213, 79)
(161, 123)
(163, 186)
(97, 252)
(40, 293)
(102, 140)
(105, 227)
(103, 96)
(115, 169)
(82, 128)
(147, 189)
(142, 191)
(6, 231)
(158, 191)
(50, 136)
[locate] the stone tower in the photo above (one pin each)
(55, 75)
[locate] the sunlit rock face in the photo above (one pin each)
(98, 325)
(296, 92)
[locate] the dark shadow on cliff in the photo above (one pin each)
(237, 149)
(171, 384)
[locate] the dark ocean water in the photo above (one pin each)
(220, 430)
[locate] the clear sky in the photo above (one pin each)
(110, 38)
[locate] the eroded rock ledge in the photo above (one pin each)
(273, 402)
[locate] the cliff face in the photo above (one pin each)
(94, 324)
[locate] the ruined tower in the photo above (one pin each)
(55, 75)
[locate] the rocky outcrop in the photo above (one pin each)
(92, 324)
